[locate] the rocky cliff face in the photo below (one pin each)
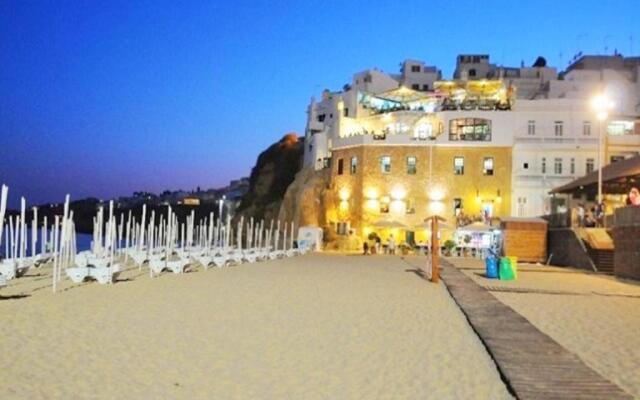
(275, 169)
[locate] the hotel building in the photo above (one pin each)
(491, 142)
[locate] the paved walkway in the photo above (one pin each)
(533, 365)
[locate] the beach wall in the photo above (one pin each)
(626, 238)
(567, 250)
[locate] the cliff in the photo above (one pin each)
(274, 171)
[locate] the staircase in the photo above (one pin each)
(599, 247)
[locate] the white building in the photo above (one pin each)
(550, 126)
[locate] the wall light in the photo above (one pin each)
(344, 194)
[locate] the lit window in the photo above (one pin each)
(354, 165)
(544, 165)
(487, 166)
(411, 165)
(590, 165)
(558, 128)
(586, 128)
(423, 131)
(557, 166)
(457, 206)
(340, 166)
(384, 204)
(531, 128)
(458, 165)
(385, 164)
(472, 129)
(410, 206)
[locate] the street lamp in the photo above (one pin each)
(220, 204)
(602, 105)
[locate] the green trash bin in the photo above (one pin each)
(505, 270)
(514, 265)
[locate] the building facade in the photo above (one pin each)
(492, 142)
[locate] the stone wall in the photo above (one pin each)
(626, 238)
(566, 249)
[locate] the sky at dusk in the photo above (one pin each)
(105, 98)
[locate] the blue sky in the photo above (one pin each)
(104, 98)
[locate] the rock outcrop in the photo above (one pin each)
(275, 169)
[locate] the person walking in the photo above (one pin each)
(392, 245)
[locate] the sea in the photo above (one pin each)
(83, 241)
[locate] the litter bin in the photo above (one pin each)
(513, 260)
(505, 270)
(491, 264)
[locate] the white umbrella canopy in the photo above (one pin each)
(389, 224)
(427, 225)
(476, 227)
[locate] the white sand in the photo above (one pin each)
(599, 321)
(313, 327)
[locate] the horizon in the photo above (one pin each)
(105, 100)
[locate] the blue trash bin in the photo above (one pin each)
(491, 264)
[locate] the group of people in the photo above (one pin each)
(376, 246)
(593, 218)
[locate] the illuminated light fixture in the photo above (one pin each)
(385, 199)
(436, 207)
(372, 205)
(344, 194)
(436, 194)
(397, 207)
(344, 206)
(371, 194)
(398, 193)
(602, 105)
(499, 198)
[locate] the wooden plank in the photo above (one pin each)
(531, 363)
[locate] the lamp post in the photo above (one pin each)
(602, 106)
(220, 204)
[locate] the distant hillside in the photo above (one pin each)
(274, 171)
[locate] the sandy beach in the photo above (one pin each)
(313, 327)
(597, 317)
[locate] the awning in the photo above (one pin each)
(616, 178)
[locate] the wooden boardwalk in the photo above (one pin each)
(532, 364)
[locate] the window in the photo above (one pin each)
(472, 72)
(458, 165)
(531, 128)
(346, 112)
(525, 165)
(411, 165)
(590, 165)
(616, 158)
(457, 206)
(415, 86)
(423, 131)
(342, 228)
(385, 164)
(487, 166)
(557, 166)
(544, 165)
(410, 207)
(384, 204)
(473, 129)
(425, 87)
(354, 165)
(572, 166)
(326, 162)
(586, 128)
(415, 68)
(340, 166)
(620, 128)
(558, 128)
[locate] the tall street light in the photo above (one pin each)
(220, 204)
(602, 106)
